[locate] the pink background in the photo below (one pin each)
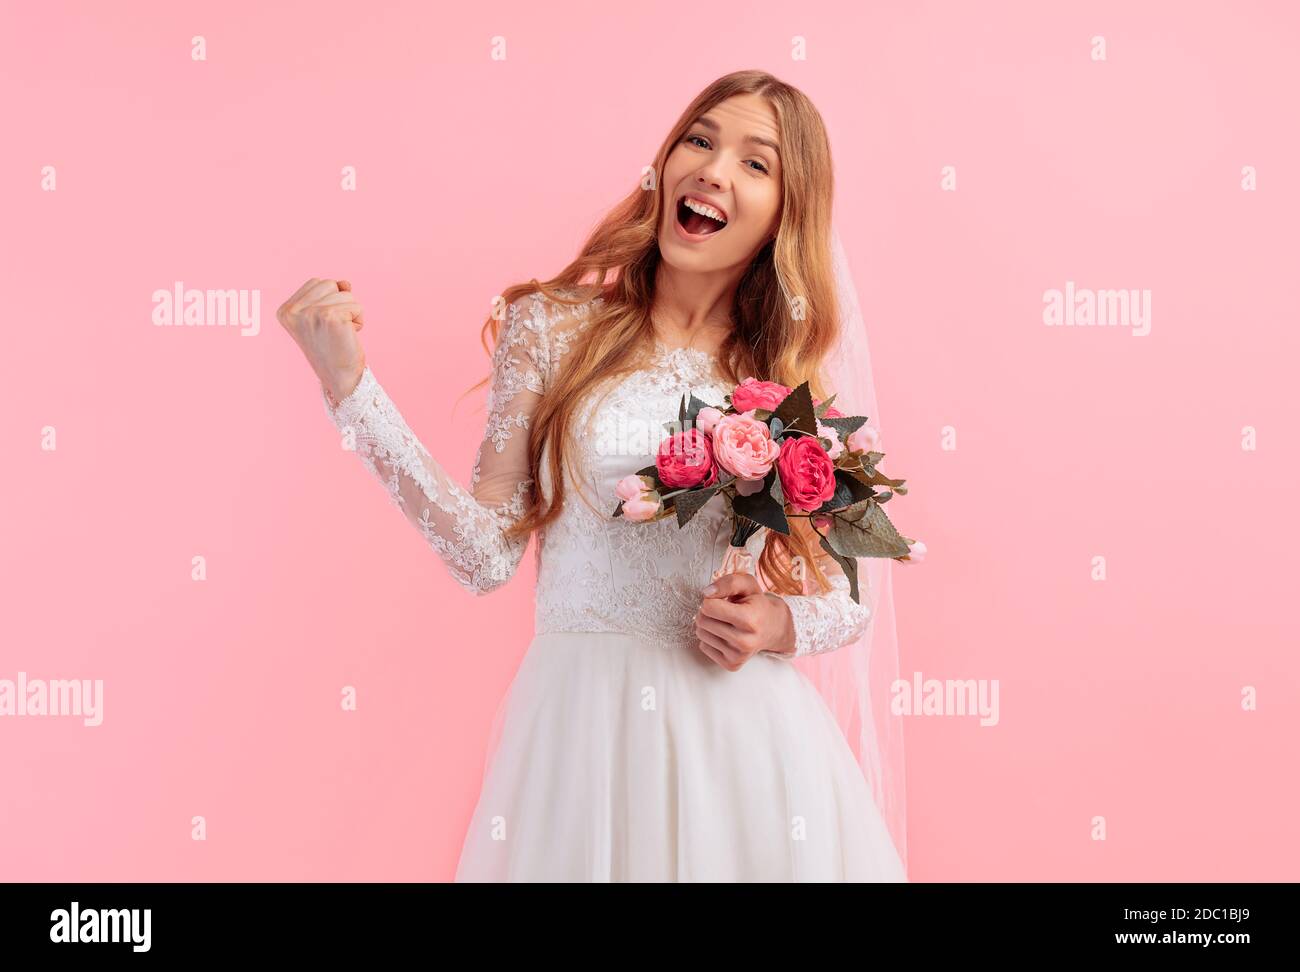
(222, 698)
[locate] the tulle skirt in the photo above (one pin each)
(613, 758)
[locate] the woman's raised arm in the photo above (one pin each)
(464, 526)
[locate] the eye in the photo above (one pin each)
(691, 139)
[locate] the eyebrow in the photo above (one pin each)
(713, 126)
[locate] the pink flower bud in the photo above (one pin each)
(826, 432)
(643, 508)
(707, 418)
(631, 486)
(915, 553)
(865, 439)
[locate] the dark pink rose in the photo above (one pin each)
(806, 471)
(686, 459)
(752, 393)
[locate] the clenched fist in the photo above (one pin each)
(323, 317)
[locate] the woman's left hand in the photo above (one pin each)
(740, 619)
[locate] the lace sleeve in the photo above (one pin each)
(824, 622)
(464, 526)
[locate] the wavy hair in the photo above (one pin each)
(785, 314)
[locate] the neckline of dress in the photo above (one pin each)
(697, 353)
(689, 364)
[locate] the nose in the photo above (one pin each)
(710, 173)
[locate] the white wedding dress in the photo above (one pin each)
(620, 751)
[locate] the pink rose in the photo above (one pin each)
(826, 432)
(743, 446)
(752, 393)
(707, 418)
(915, 553)
(806, 471)
(642, 508)
(686, 459)
(631, 486)
(865, 439)
(831, 412)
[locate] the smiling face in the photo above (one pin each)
(722, 187)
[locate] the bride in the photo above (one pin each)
(657, 728)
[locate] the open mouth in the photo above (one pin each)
(696, 223)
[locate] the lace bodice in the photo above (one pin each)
(594, 572)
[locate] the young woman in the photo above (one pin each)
(656, 729)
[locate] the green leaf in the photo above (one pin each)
(689, 503)
(693, 410)
(848, 564)
(872, 535)
(824, 406)
(877, 478)
(855, 512)
(848, 490)
(796, 411)
(761, 508)
(845, 426)
(857, 472)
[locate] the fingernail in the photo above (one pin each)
(711, 589)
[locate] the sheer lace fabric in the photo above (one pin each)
(595, 572)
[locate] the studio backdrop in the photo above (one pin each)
(1072, 232)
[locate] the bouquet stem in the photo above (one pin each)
(738, 560)
(744, 529)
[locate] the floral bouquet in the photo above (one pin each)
(774, 453)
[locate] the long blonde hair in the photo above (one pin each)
(768, 340)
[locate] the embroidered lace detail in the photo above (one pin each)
(688, 363)
(595, 572)
(465, 527)
(824, 622)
